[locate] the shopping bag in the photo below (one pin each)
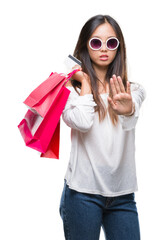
(43, 96)
(40, 127)
(53, 148)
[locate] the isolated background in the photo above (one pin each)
(36, 36)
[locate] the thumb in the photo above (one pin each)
(111, 102)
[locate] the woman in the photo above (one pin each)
(102, 111)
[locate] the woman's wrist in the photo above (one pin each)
(85, 87)
(132, 112)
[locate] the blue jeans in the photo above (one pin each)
(84, 214)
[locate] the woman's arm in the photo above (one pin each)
(85, 88)
(79, 110)
(138, 96)
(126, 103)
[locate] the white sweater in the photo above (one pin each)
(102, 157)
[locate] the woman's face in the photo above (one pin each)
(102, 57)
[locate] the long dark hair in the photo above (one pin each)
(117, 66)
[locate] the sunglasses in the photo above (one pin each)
(112, 43)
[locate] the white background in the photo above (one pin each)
(36, 36)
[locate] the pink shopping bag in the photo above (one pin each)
(41, 125)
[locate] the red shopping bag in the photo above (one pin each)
(40, 127)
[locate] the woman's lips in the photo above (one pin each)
(104, 57)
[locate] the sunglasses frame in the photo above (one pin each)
(111, 49)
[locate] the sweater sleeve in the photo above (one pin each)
(79, 111)
(138, 95)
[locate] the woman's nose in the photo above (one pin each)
(104, 48)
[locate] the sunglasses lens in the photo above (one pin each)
(95, 44)
(112, 43)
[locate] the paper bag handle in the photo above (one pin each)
(69, 75)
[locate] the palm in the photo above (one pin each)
(121, 102)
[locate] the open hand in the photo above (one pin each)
(121, 101)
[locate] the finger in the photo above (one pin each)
(122, 88)
(111, 103)
(116, 83)
(128, 88)
(113, 89)
(76, 67)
